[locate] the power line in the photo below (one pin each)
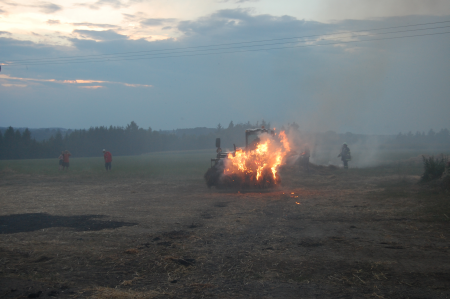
(236, 47)
(237, 43)
(104, 57)
(253, 50)
(51, 61)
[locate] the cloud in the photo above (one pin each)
(113, 3)
(53, 22)
(76, 82)
(14, 85)
(369, 9)
(139, 16)
(94, 25)
(44, 7)
(5, 33)
(156, 22)
(238, 1)
(48, 8)
(243, 25)
(117, 4)
(106, 35)
(91, 87)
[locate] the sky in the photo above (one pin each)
(360, 66)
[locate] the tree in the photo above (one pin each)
(9, 141)
(219, 128)
(26, 144)
(231, 125)
(1, 145)
(132, 127)
(58, 144)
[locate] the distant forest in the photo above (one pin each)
(132, 140)
(129, 140)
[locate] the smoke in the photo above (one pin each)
(324, 148)
(364, 9)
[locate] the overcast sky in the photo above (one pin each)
(366, 81)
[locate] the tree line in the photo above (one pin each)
(129, 140)
(420, 140)
(133, 140)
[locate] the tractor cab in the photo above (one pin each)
(252, 137)
(251, 141)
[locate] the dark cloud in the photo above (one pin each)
(113, 3)
(44, 7)
(2, 11)
(167, 27)
(53, 22)
(107, 35)
(242, 24)
(5, 33)
(47, 7)
(139, 16)
(156, 22)
(128, 17)
(93, 25)
(238, 1)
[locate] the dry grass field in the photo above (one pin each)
(152, 229)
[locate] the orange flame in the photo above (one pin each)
(260, 165)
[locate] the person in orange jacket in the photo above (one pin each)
(108, 159)
(66, 160)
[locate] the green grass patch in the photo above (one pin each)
(173, 164)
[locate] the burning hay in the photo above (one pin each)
(256, 166)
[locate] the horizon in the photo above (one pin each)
(215, 128)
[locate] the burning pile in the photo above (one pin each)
(257, 166)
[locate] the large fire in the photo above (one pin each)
(258, 165)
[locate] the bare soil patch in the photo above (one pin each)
(324, 234)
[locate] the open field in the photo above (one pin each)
(152, 229)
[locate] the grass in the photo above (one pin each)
(174, 164)
(170, 164)
(436, 206)
(430, 203)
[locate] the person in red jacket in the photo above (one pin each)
(66, 156)
(108, 159)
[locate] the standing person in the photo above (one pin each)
(61, 157)
(66, 156)
(305, 158)
(345, 155)
(108, 159)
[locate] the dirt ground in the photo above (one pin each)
(326, 234)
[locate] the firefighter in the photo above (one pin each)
(304, 158)
(345, 155)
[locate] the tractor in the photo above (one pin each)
(212, 176)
